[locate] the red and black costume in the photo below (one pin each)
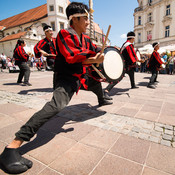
(21, 58)
(154, 65)
(72, 50)
(130, 57)
(155, 61)
(20, 55)
(49, 47)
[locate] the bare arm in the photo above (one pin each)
(46, 54)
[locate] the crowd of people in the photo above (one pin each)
(69, 56)
(169, 68)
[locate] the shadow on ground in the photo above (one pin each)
(36, 90)
(70, 115)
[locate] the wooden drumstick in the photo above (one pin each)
(106, 37)
(102, 50)
(104, 44)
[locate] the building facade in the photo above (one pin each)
(154, 21)
(29, 26)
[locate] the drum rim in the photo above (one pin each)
(110, 80)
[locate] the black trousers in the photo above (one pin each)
(153, 77)
(24, 72)
(131, 76)
(110, 86)
(61, 97)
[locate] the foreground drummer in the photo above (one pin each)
(129, 54)
(154, 65)
(74, 49)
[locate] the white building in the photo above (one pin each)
(29, 26)
(154, 21)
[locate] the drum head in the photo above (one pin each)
(113, 66)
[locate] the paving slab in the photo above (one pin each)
(134, 136)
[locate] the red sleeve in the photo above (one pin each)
(72, 51)
(132, 54)
(157, 57)
(39, 46)
(22, 53)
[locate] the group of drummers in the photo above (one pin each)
(72, 54)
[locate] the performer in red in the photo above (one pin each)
(154, 65)
(47, 47)
(129, 54)
(21, 58)
(75, 50)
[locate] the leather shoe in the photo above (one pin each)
(106, 96)
(27, 84)
(134, 87)
(13, 163)
(151, 86)
(105, 102)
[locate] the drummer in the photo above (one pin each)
(129, 54)
(154, 65)
(74, 49)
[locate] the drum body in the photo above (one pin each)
(139, 57)
(113, 66)
(163, 65)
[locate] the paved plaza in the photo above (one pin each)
(133, 136)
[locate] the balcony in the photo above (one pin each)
(167, 18)
(138, 9)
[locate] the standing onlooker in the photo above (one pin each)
(21, 58)
(171, 64)
(3, 61)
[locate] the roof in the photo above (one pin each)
(2, 28)
(97, 28)
(13, 36)
(25, 17)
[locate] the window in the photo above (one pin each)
(149, 35)
(139, 37)
(167, 10)
(51, 8)
(13, 33)
(139, 20)
(53, 25)
(149, 2)
(60, 9)
(61, 25)
(167, 31)
(149, 17)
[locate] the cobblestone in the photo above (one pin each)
(139, 128)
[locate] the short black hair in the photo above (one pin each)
(46, 27)
(76, 7)
(154, 44)
(131, 34)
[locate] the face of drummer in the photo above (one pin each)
(157, 47)
(80, 24)
(49, 34)
(23, 44)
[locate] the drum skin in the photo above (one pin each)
(113, 66)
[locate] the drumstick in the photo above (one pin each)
(106, 37)
(104, 44)
(102, 50)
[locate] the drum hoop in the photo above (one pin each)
(110, 80)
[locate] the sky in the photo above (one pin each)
(117, 13)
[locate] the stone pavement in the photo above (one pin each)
(134, 136)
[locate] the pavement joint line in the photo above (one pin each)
(114, 122)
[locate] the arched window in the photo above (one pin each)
(13, 32)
